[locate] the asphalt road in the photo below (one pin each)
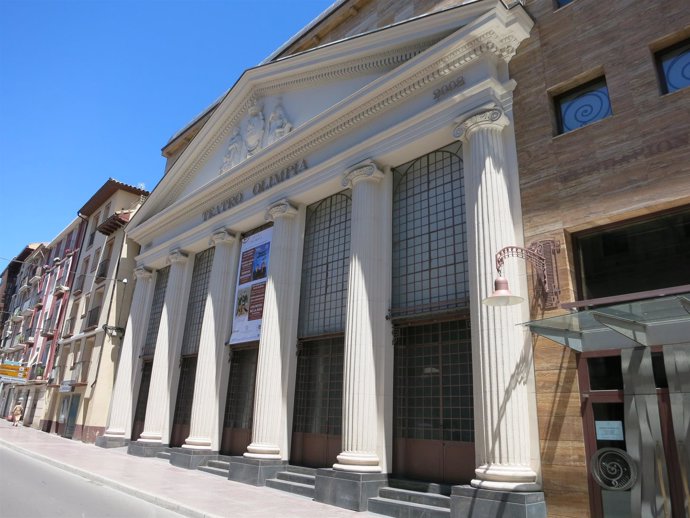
(30, 488)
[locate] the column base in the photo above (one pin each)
(190, 459)
(145, 449)
(347, 489)
(501, 477)
(254, 471)
(105, 441)
(471, 502)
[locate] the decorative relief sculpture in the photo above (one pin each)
(254, 132)
(278, 125)
(256, 135)
(233, 154)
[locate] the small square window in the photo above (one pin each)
(673, 65)
(583, 105)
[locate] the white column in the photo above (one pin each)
(122, 403)
(165, 358)
(205, 420)
(278, 336)
(366, 312)
(501, 353)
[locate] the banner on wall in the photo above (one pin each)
(251, 287)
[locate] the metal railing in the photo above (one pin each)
(79, 283)
(68, 330)
(92, 317)
(102, 272)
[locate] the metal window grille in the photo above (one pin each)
(429, 235)
(325, 266)
(142, 399)
(156, 311)
(185, 391)
(433, 382)
(197, 301)
(319, 387)
(239, 407)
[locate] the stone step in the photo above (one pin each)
(401, 509)
(301, 469)
(420, 487)
(292, 487)
(404, 495)
(217, 463)
(300, 478)
(163, 455)
(214, 471)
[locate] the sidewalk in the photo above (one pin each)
(188, 492)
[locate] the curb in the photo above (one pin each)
(170, 505)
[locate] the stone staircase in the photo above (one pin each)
(295, 479)
(165, 454)
(219, 466)
(410, 499)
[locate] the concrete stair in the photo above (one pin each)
(295, 479)
(163, 455)
(408, 499)
(219, 466)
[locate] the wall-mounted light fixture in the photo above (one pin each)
(542, 256)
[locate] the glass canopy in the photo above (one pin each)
(659, 321)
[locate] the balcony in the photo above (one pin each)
(79, 284)
(27, 337)
(92, 318)
(102, 272)
(60, 290)
(17, 315)
(37, 300)
(68, 330)
(48, 330)
(37, 276)
(24, 287)
(27, 308)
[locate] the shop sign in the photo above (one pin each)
(12, 373)
(251, 287)
(261, 186)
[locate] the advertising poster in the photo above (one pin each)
(251, 287)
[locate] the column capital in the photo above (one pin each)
(493, 116)
(279, 210)
(142, 273)
(177, 256)
(221, 236)
(367, 170)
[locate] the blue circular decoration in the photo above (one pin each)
(585, 109)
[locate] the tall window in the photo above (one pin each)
(325, 266)
(156, 311)
(429, 235)
(197, 301)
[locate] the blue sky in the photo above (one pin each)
(91, 89)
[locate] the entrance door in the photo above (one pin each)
(239, 404)
(433, 412)
(185, 397)
(316, 435)
(142, 400)
(72, 416)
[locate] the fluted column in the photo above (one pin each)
(501, 354)
(205, 420)
(364, 316)
(158, 410)
(121, 406)
(282, 295)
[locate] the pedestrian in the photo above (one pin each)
(17, 413)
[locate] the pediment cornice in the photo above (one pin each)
(412, 70)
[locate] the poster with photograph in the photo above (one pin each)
(251, 287)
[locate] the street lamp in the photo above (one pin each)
(542, 256)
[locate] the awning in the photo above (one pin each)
(659, 321)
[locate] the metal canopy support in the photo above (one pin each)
(628, 327)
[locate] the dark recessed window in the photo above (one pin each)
(583, 105)
(561, 3)
(673, 65)
(605, 373)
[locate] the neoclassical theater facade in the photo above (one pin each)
(313, 263)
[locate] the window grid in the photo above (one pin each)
(325, 266)
(185, 391)
(319, 387)
(433, 382)
(239, 408)
(156, 311)
(429, 235)
(197, 301)
(142, 400)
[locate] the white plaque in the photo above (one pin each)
(609, 430)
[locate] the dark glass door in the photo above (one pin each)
(239, 404)
(72, 416)
(185, 397)
(433, 412)
(142, 399)
(316, 435)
